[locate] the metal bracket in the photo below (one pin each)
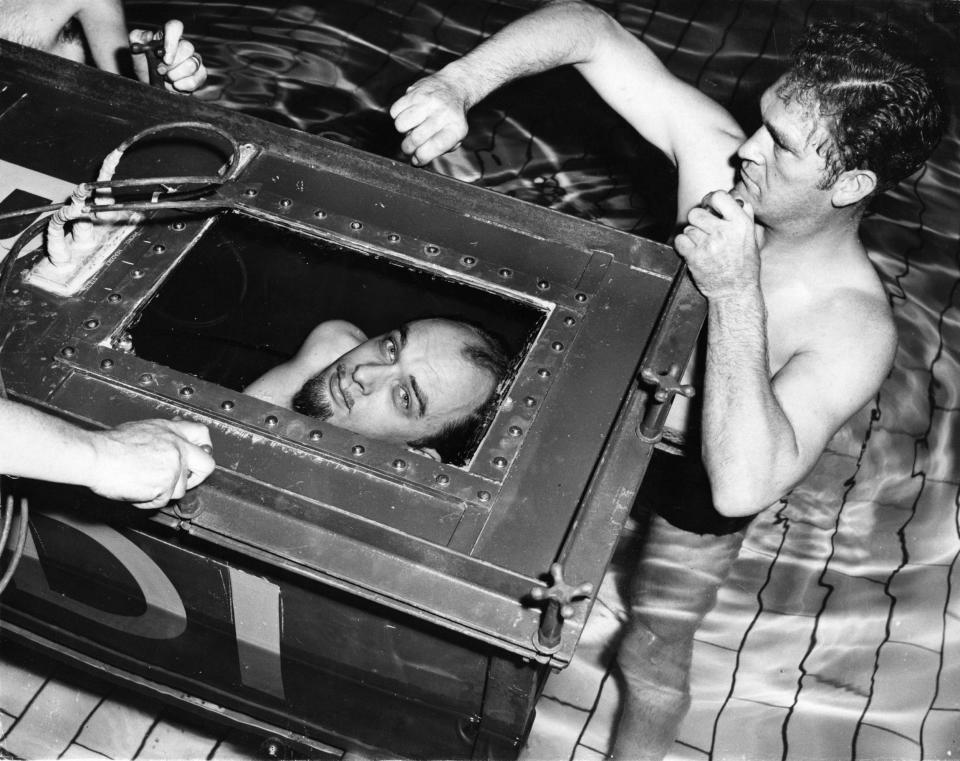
(667, 386)
(559, 597)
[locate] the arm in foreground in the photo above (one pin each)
(763, 434)
(147, 462)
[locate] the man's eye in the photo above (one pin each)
(390, 347)
(403, 397)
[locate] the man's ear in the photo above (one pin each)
(853, 186)
(430, 452)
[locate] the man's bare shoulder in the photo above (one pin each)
(331, 339)
(854, 325)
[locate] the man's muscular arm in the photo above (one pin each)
(762, 435)
(691, 129)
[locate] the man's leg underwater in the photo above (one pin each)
(674, 586)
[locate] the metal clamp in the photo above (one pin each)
(667, 386)
(559, 597)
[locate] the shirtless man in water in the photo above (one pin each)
(799, 335)
(425, 384)
(61, 27)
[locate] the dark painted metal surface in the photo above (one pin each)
(393, 584)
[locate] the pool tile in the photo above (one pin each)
(710, 683)
(938, 459)
(749, 730)
(77, 752)
(119, 725)
(577, 684)
(824, 719)
(793, 587)
(887, 462)
(757, 679)
(874, 742)
(903, 399)
(867, 542)
(946, 392)
(236, 747)
(941, 735)
(55, 716)
(844, 650)
(178, 739)
(21, 678)
(921, 597)
(903, 689)
(599, 729)
(948, 691)
(681, 752)
(583, 753)
(555, 732)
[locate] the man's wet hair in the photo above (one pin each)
(457, 439)
(884, 102)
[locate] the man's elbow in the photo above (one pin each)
(739, 500)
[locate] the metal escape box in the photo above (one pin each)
(325, 589)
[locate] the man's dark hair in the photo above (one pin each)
(456, 440)
(885, 103)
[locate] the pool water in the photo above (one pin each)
(837, 634)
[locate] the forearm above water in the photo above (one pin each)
(556, 34)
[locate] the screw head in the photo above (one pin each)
(227, 404)
(515, 430)
(68, 351)
(187, 391)
(271, 421)
(358, 449)
(316, 435)
(500, 462)
(114, 298)
(442, 479)
(483, 496)
(159, 248)
(106, 364)
(399, 464)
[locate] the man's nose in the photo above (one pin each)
(750, 149)
(370, 376)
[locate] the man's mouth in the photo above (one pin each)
(337, 391)
(745, 179)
